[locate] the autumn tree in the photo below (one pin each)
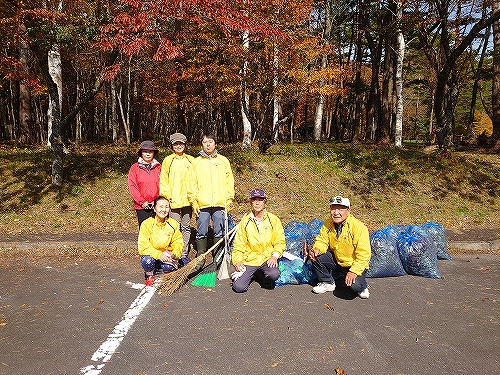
(46, 28)
(445, 33)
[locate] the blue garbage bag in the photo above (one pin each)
(418, 254)
(296, 236)
(295, 272)
(437, 234)
(393, 231)
(385, 261)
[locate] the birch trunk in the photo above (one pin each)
(114, 123)
(55, 71)
(398, 138)
(247, 126)
(318, 116)
(276, 101)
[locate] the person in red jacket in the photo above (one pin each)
(144, 180)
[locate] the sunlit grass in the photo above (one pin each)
(386, 186)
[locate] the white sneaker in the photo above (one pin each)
(364, 294)
(323, 288)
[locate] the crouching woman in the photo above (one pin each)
(160, 241)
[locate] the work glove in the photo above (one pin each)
(236, 274)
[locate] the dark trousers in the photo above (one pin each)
(143, 215)
(242, 283)
(328, 270)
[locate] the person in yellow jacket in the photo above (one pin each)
(160, 241)
(341, 250)
(175, 179)
(213, 192)
(258, 244)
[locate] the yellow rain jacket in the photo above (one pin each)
(352, 249)
(155, 238)
(252, 245)
(175, 179)
(213, 182)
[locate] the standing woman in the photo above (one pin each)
(160, 241)
(175, 178)
(144, 180)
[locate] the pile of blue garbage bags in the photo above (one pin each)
(397, 250)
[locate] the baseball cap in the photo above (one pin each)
(178, 137)
(257, 193)
(340, 200)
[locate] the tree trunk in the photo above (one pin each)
(495, 90)
(477, 78)
(247, 125)
(125, 112)
(55, 71)
(276, 100)
(398, 134)
(320, 106)
(25, 120)
(113, 115)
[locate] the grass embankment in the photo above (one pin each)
(386, 186)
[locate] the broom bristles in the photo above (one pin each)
(172, 281)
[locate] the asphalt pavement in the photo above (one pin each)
(71, 314)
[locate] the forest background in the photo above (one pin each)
(74, 72)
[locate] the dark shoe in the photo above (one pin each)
(168, 268)
(183, 261)
(267, 284)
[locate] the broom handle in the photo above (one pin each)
(225, 251)
(220, 241)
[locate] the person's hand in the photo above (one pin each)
(350, 278)
(146, 205)
(313, 254)
(239, 266)
(272, 262)
(166, 257)
(229, 205)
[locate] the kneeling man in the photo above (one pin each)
(341, 250)
(258, 244)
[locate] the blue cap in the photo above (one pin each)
(257, 193)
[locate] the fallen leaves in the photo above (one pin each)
(328, 307)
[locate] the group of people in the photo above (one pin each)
(166, 196)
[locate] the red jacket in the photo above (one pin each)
(144, 185)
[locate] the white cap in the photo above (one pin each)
(340, 200)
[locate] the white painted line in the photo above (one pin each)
(108, 347)
(135, 285)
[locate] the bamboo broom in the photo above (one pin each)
(172, 281)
